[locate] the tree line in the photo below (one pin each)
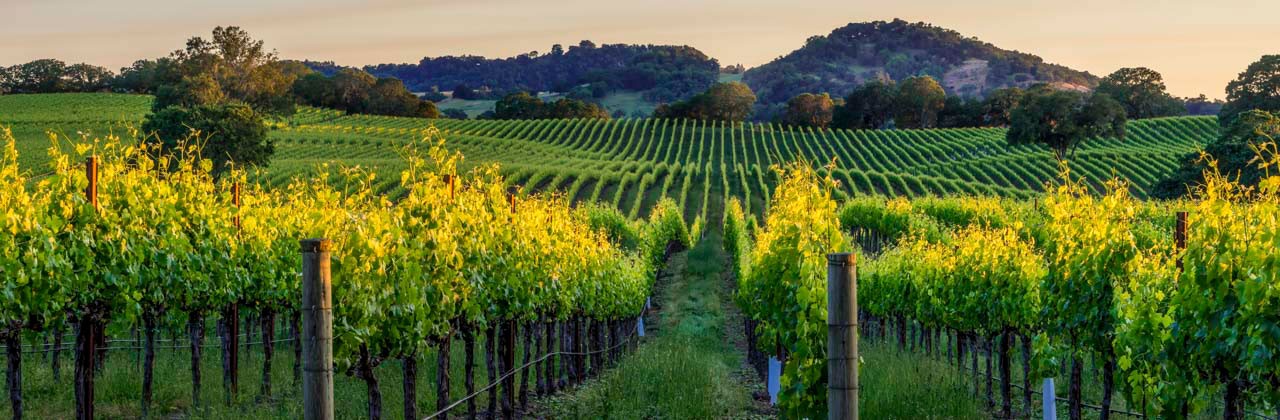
(664, 72)
(194, 76)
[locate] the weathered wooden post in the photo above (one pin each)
(842, 337)
(85, 339)
(317, 331)
(233, 312)
(1180, 236)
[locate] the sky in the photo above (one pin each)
(1197, 45)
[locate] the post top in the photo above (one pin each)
(316, 245)
(842, 258)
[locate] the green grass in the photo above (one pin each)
(898, 385)
(685, 369)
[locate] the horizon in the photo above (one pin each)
(1194, 45)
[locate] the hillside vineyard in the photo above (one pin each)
(632, 163)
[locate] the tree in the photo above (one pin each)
(39, 76)
(1258, 87)
(316, 89)
(142, 76)
(389, 97)
(1062, 120)
(960, 112)
(1141, 92)
(351, 89)
(230, 133)
(86, 78)
(1234, 153)
(454, 113)
(920, 98)
(730, 101)
(997, 109)
(573, 108)
(1202, 105)
(191, 91)
(426, 109)
(241, 68)
(523, 106)
(518, 106)
(869, 106)
(810, 110)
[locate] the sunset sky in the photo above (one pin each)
(1198, 45)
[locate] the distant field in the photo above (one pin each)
(631, 163)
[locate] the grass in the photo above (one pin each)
(691, 369)
(900, 385)
(685, 369)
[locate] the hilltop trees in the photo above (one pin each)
(1250, 118)
(1141, 92)
(730, 101)
(1258, 87)
(663, 73)
(810, 110)
(53, 76)
(859, 52)
(1063, 119)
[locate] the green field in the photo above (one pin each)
(631, 163)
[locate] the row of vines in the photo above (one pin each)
(152, 239)
(1182, 312)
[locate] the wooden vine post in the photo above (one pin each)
(317, 331)
(233, 313)
(1180, 237)
(86, 342)
(842, 337)
(507, 337)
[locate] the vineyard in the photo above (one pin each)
(550, 233)
(119, 242)
(633, 163)
(1174, 302)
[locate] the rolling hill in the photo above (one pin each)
(632, 163)
(858, 52)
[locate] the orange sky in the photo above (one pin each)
(1198, 45)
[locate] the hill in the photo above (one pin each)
(859, 52)
(632, 163)
(664, 72)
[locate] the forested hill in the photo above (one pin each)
(663, 72)
(851, 55)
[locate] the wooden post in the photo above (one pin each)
(317, 331)
(842, 337)
(85, 339)
(1180, 237)
(91, 172)
(448, 179)
(233, 324)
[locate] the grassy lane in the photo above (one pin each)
(688, 367)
